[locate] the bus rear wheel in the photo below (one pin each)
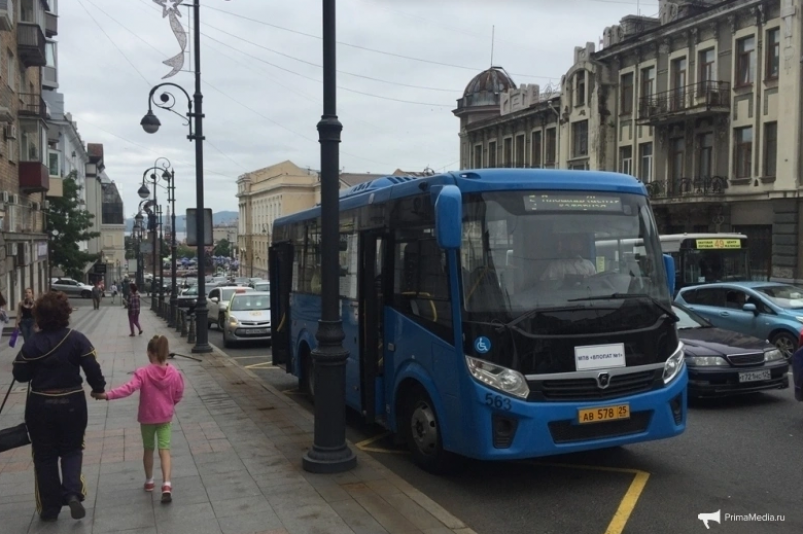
(308, 383)
(421, 431)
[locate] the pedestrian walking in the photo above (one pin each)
(160, 387)
(133, 309)
(97, 292)
(126, 292)
(55, 413)
(3, 314)
(25, 320)
(114, 291)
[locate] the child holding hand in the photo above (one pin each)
(161, 388)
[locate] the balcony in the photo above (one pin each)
(34, 177)
(51, 24)
(688, 188)
(32, 105)
(690, 101)
(31, 45)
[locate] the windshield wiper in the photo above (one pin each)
(658, 303)
(536, 311)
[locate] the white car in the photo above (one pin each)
(247, 318)
(218, 301)
(72, 287)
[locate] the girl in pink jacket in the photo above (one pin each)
(161, 388)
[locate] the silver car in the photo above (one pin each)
(247, 318)
(72, 287)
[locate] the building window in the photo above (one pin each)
(580, 88)
(535, 150)
(508, 153)
(679, 74)
(551, 147)
(626, 160)
(645, 162)
(677, 160)
(745, 50)
(647, 82)
(54, 163)
(707, 72)
(478, 156)
(770, 148)
(705, 161)
(743, 157)
(773, 54)
(492, 154)
(12, 71)
(626, 104)
(520, 151)
(580, 139)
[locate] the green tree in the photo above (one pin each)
(222, 248)
(72, 224)
(183, 251)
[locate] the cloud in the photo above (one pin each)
(262, 84)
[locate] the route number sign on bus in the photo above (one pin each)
(718, 243)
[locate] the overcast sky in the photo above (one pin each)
(262, 80)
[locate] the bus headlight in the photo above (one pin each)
(674, 364)
(498, 377)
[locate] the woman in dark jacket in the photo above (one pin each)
(56, 415)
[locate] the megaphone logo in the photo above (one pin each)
(713, 516)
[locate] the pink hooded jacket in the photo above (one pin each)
(161, 389)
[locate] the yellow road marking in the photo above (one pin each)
(364, 445)
(294, 391)
(245, 357)
(263, 365)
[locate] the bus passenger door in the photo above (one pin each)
(371, 321)
(280, 257)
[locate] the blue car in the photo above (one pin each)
(766, 310)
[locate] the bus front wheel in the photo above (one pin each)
(421, 431)
(308, 373)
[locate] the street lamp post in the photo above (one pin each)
(329, 452)
(161, 264)
(150, 123)
(140, 276)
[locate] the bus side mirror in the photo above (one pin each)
(449, 217)
(669, 265)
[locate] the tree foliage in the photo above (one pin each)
(183, 251)
(72, 223)
(222, 248)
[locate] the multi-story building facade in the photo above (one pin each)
(24, 180)
(112, 230)
(704, 104)
(226, 231)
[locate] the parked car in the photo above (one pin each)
(261, 286)
(247, 318)
(72, 287)
(766, 310)
(218, 302)
(188, 298)
(723, 362)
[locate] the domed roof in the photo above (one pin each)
(494, 81)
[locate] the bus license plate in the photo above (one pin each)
(603, 413)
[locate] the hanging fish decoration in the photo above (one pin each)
(176, 62)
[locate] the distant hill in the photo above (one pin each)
(220, 217)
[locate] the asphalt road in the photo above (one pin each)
(738, 456)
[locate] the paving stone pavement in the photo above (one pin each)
(237, 448)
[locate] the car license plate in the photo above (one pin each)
(257, 331)
(601, 414)
(754, 376)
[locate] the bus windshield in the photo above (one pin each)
(573, 251)
(702, 265)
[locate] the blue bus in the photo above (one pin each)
(481, 319)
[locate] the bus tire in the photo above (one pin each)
(307, 372)
(421, 431)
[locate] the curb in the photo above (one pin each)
(436, 510)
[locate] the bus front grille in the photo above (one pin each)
(575, 389)
(569, 431)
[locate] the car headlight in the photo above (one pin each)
(498, 377)
(707, 361)
(674, 364)
(773, 355)
(233, 321)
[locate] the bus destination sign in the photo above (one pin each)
(572, 202)
(718, 243)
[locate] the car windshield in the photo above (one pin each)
(191, 291)
(687, 320)
(227, 293)
(783, 295)
(250, 303)
(529, 251)
(262, 286)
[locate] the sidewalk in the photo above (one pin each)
(237, 448)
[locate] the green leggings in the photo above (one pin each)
(159, 433)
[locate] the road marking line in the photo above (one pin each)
(245, 357)
(364, 445)
(293, 392)
(262, 365)
(617, 524)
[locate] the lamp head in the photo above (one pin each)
(150, 122)
(138, 218)
(144, 192)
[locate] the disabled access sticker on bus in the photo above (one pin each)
(718, 243)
